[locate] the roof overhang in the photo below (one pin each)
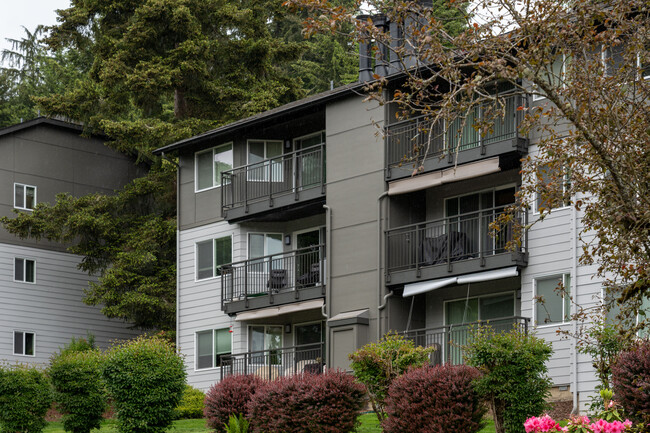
(427, 286)
(280, 310)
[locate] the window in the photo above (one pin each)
(24, 343)
(268, 340)
(480, 308)
(264, 244)
(552, 190)
(211, 255)
(260, 168)
(553, 75)
(210, 164)
(24, 196)
(211, 346)
(24, 270)
(553, 306)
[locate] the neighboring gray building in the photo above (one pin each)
(302, 237)
(41, 289)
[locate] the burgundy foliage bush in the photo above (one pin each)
(229, 397)
(437, 399)
(308, 403)
(631, 381)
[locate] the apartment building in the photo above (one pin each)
(303, 236)
(41, 289)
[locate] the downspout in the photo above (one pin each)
(328, 275)
(380, 279)
(574, 306)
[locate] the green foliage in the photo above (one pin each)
(376, 365)
(75, 374)
(145, 378)
(25, 398)
(237, 424)
(191, 404)
(79, 345)
(514, 381)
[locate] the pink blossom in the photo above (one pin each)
(541, 424)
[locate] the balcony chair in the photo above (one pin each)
(434, 250)
(310, 278)
(277, 280)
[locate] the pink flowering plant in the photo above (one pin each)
(541, 424)
(582, 424)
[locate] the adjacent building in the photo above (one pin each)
(41, 288)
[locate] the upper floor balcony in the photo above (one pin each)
(451, 246)
(435, 146)
(289, 181)
(277, 279)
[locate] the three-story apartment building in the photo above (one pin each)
(41, 288)
(303, 235)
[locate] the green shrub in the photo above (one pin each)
(376, 365)
(191, 405)
(79, 344)
(514, 381)
(78, 389)
(236, 425)
(25, 398)
(145, 378)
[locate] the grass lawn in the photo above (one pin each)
(369, 424)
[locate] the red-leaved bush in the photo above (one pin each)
(437, 399)
(631, 381)
(229, 397)
(308, 403)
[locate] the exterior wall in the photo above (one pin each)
(355, 170)
(54, 160)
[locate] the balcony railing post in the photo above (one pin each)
(322, 169)
(270, 182)
(246, 190)
(245, 281)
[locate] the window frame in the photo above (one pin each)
(249, 342)
(213, 354)
(24, 265)
(266, 161)
(566, 315)
(561, 77)
(566, 184)
(24, 332)
(215, 272)
(478, 297)
(24, 204)
(215, 184)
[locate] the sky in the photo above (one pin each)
(14, 14)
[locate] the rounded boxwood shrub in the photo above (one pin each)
(438, 399)
(25, 398)
(78, 389)
(631, 380)
(308, 403)
(145, 378)
(230, 397)
(191, 405)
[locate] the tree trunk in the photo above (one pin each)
(180, 104)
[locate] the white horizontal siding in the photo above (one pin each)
(52, 307)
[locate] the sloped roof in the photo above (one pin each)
(41, 121)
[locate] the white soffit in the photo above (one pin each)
(427, 286)
(453, 174)
(277, 311)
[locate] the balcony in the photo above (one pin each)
(433, 146)
(448, 340)
(290, 180)
(451, 246)
(273, 280)
(274, 363)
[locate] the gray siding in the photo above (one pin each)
(51, 308)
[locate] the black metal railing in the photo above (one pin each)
(461, 237)
(449, 340)
(273, 363)
(286, 174)
(268, 275)
(414, 139)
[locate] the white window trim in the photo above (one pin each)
(265, 161)
(265, 325)
(534, 300)
(564, 206)
(313, 134)
(214, 257)
(13, 342)
(196, 166)
(196, 347)
(562, 74)
(25, 186)
(24, 270)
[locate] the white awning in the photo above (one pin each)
(427, 286)
(453, 174)
(279, 310)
